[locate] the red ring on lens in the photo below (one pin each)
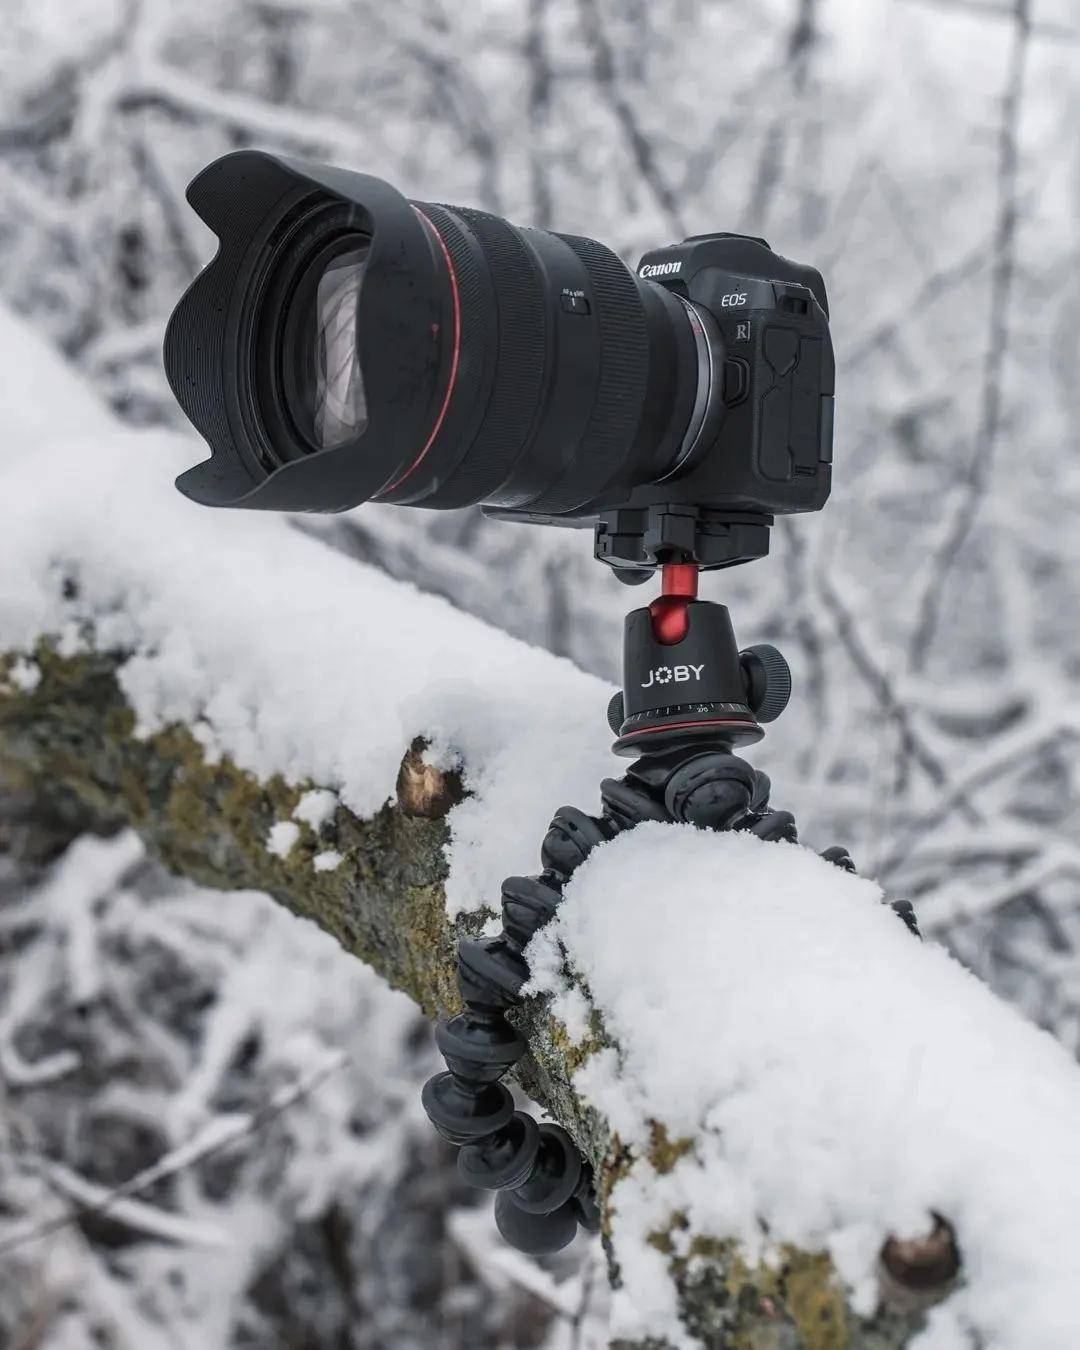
(453, 358)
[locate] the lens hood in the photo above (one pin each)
(269, 213)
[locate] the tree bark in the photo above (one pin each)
(70, 760)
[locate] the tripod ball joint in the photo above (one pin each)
(685, 679)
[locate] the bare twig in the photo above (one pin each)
(135, 1215)
(540, 81)
(935, 288)
(177, 216)
(217, 1135)
(637, 140)
(165, 86)
(800, 42)
(47, 117)
(1005, 754)
(990, 9)
(976, 478)
(424, 789)
(917, 1272)
(879, 683)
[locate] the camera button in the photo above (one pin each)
(736, 380)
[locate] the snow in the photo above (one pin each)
(281, 837)
(854, 1080)
(52, 398)
(24, 675)
(316, 808)
(289, 657)
(842, 1082)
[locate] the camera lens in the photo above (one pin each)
(348, 345)
(574, 379)
(321, 374)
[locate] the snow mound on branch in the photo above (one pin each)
(43, 395)
(841, 1081)
(280, 652)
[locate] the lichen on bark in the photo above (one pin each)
(72, 739)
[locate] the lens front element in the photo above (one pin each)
(340, 405)
(322, 375)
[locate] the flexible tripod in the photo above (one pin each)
(689, 695)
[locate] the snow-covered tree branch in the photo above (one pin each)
(803, 1119)
(923, 153)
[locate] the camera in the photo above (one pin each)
(348, 345)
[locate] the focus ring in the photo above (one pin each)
(624, 369)
(520, 340)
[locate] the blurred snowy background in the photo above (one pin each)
(925, 154)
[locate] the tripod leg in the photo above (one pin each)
(545, 1186)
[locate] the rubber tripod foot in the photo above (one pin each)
(535, 1234)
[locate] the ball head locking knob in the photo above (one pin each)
(767, 677)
